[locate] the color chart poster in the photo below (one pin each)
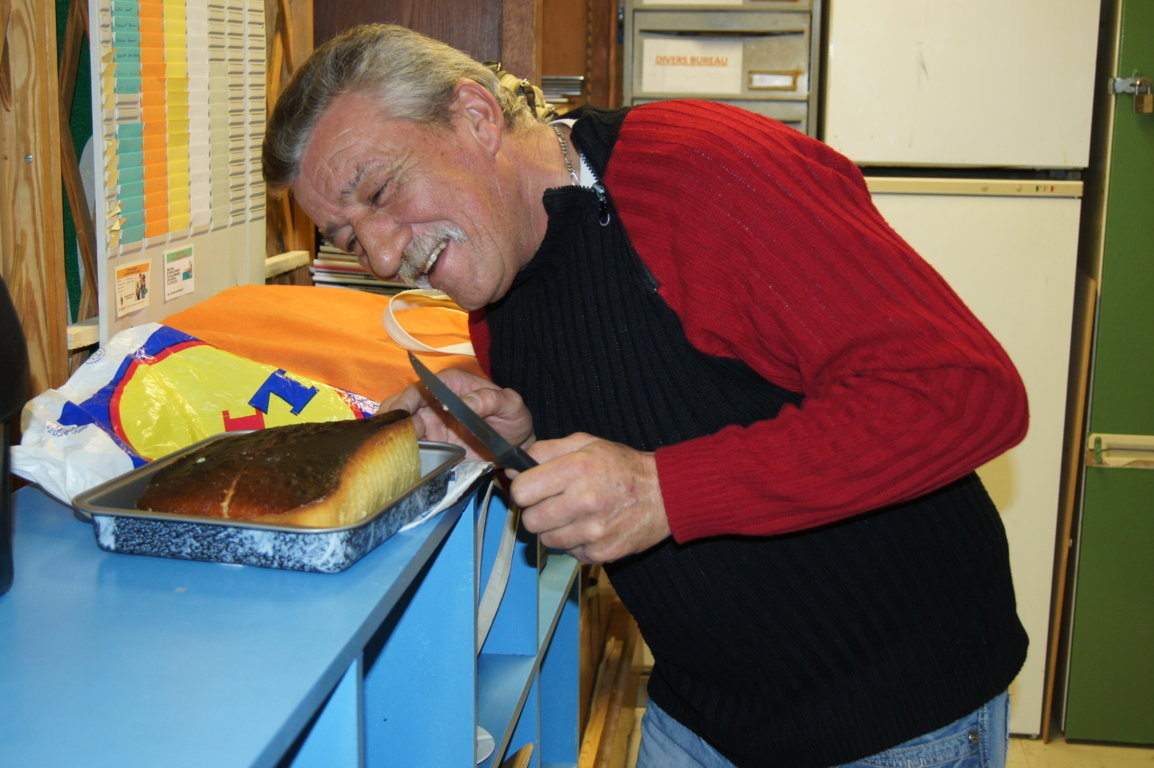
(183, 90)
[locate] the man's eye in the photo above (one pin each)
(379, 196)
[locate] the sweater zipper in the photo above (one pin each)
(603, 217)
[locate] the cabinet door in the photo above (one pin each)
(1110, 690)
(1011, 258)
(980, 83)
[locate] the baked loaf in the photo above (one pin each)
(315, 475)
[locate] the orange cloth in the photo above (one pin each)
(332, 335)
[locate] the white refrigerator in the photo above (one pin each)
(971, 120)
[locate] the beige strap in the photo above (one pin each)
(417, 298)
(498, 578)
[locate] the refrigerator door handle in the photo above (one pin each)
(1129, 451)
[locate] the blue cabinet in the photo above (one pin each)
(113, 660)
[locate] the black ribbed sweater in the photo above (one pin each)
(804, 649)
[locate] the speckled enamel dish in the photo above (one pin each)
(120, 527)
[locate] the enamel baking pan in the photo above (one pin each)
(120, 527)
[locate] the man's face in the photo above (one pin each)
(426, 204)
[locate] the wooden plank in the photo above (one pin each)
(599, 713)
(604, 739)
(31, 240)
(275, 266)
(81, 219)
(521, 759)
(76, 30)
(291, 268)
(84, 334)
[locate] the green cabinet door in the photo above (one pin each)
(1110, 687)
(1110, 690)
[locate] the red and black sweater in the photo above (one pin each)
(817, 397)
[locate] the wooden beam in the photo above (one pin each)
(76, 30)
(285, 28)
(31, 240)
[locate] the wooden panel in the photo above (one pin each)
(581, 37)
(31, 238)
(289, 24)
(564, 27)
(605, 49)
(501, 30)
(520, 49)
(473, 27)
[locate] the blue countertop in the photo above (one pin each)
(124, 660)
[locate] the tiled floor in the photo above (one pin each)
(1029, 753)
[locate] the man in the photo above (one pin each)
(750, 399)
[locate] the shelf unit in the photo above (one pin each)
(522, 686)
(761, 55)
(251, 667)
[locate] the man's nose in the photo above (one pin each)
(384, 242)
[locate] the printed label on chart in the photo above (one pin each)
(133, 283)
(178, 273)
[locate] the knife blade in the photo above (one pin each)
(508, 455)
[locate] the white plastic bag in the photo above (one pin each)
(153, 390)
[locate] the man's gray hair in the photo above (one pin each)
(414, 77)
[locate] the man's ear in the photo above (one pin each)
(478, 111)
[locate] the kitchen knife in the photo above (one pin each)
(508, 455)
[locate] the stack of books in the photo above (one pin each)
(564, 92)
(340, 269)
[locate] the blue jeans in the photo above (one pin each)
(978, 740)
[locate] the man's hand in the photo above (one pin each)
(503, 409)
(598, 500)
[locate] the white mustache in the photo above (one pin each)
(416, 261)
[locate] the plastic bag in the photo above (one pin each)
(153, 390)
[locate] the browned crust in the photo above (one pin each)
(315, 475)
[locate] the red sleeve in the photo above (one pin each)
(769, 248)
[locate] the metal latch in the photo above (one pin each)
(1140, 87)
